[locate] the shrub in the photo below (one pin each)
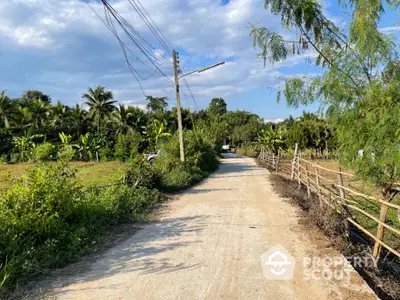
(3, 159)
(200, 160)
(127, 146)
(66, 153)
(46, 220)
(181, 178)
(43, 152)
(140, 173)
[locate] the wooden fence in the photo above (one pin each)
(336, 189)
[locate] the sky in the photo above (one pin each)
(61, 48)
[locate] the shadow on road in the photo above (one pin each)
(136, 254)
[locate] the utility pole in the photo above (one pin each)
(175, 56)
(178, 104)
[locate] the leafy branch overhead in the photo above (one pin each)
(358, 81)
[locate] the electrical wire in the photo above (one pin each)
(145, 19)
(133, 36)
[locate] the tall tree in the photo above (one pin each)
(357, 81)
(217, 107)
(77, 118)
(39, 113)
(5, 110)
(30, 95)
(157, 103)
(100, 102)
(122, 118)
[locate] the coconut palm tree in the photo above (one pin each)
(22, 117)
(122, 118)
(101, 103)
(5, 110)
(77, 118)
(58, 113)
(40, 112)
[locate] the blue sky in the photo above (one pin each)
(62, 48)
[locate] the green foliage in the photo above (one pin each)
(65, 138)
(375, 123)
(32, 95)
(5, 110)
(127, 146)
(46, 220)
(201, 159)
(23, 146)
(358, 82)
(101, 103)
(66, 153)
(217, 107)
(156, 103)
(272, 139)
(153, 132)
(43, 152)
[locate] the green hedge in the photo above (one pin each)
(47, 220)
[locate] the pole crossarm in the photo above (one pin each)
(202, 69)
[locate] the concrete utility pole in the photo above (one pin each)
(178, 104)
(175, 56)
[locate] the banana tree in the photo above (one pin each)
(154, 132)
(65, 138)
(272, 139)
(84, 148)
(23, 145)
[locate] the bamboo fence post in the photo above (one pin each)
(298, 172)
(381, 230)
(262, 154)
(296, 149)
(308, 183)
(318, 187)
(340, 182)
(277, 163)
(273, 161)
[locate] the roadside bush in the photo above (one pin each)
(200, 160)
(66, 153)
(127, 146)
(43, 152)
(180, 178)
(47, 220)
(140, 173)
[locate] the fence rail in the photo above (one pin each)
(333, 189)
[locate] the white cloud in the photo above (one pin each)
(389, 29)
(61, 47)
(275, 121)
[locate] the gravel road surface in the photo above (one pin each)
(208, 244)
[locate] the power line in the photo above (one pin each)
(133, 36)
(155, 25)
(112, 29)
(148, 23)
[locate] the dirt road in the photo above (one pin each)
(208, 246)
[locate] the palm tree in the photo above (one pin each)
(40, 112)
(138, 118)
(22, 117)
(122, 118)
(77, 117)
(59, 113)
(5, 109)
(101, 103)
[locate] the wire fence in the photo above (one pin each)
(375, 217)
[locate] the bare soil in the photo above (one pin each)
(385, 279)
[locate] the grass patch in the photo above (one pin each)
(88, 173)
